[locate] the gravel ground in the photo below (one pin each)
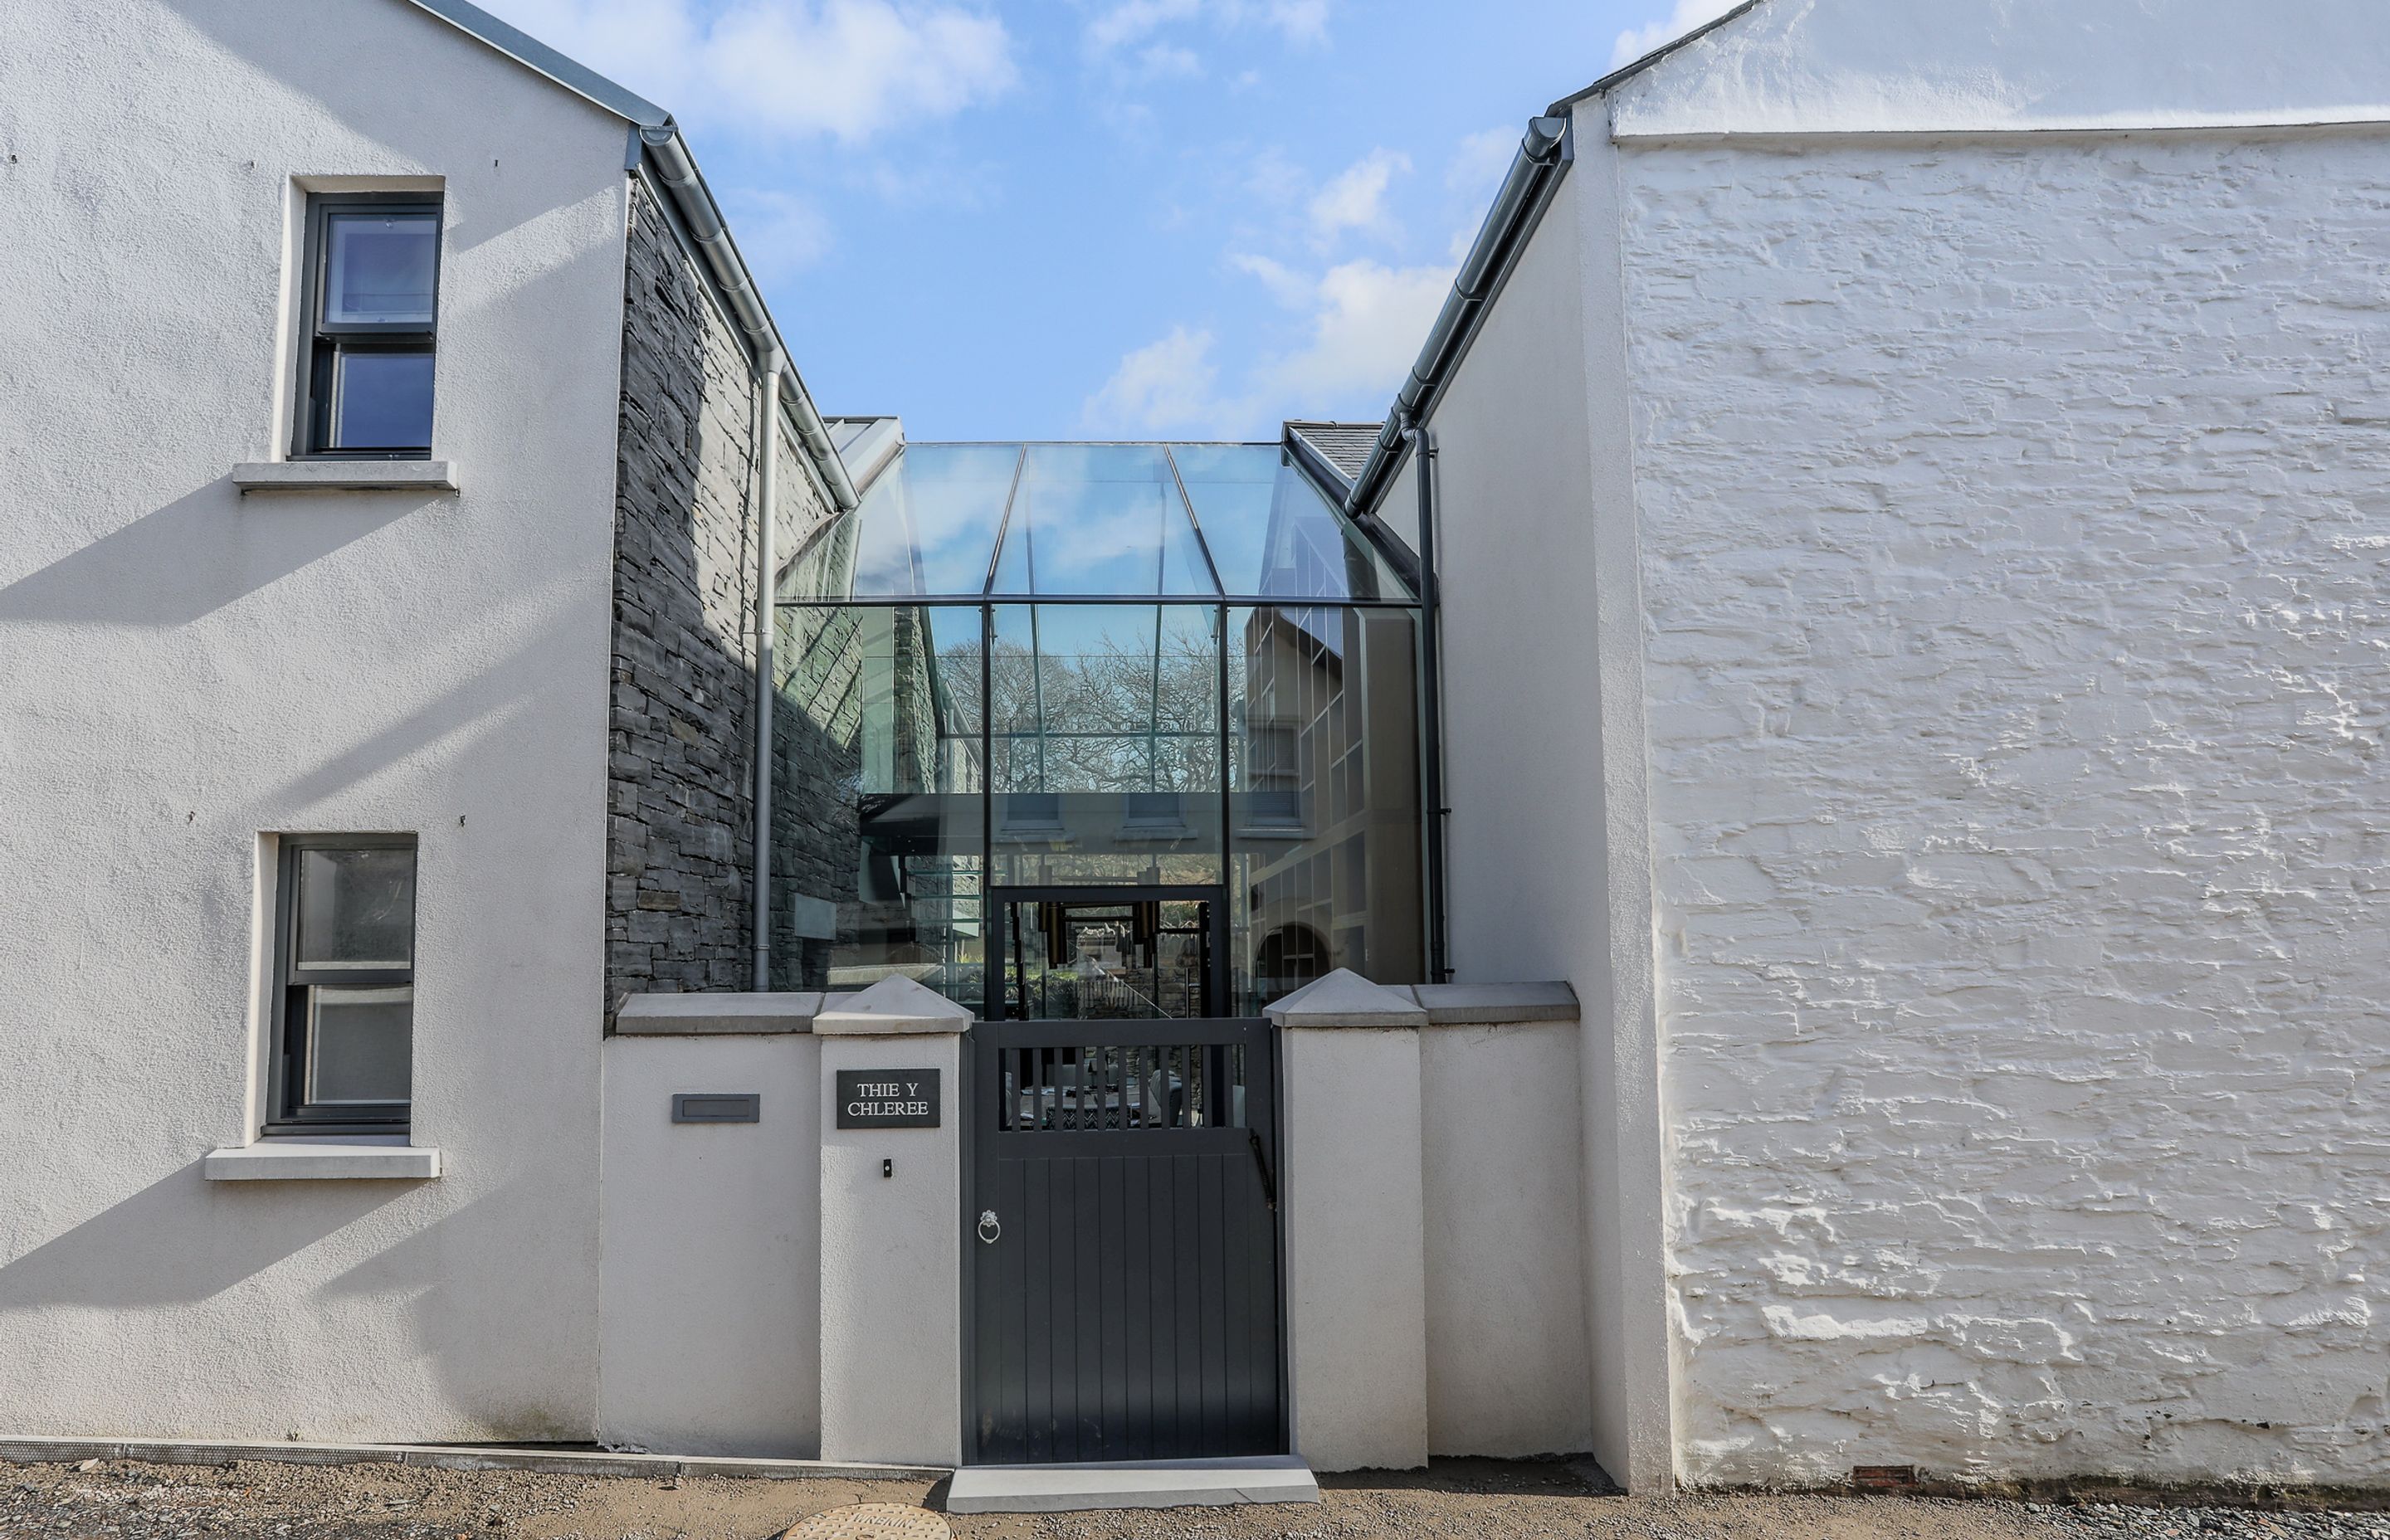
(1460, 1499)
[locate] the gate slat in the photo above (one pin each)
(1037, 1306)
(1136, 1271)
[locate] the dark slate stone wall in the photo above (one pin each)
(681, 766)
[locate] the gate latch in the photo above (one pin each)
(989, 1227)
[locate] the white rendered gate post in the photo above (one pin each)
(1355, 1207)
(892, 1227)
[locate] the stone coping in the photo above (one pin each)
(1346, 999)
(719, 1015)
(1486, 1005)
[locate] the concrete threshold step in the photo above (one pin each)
(1155, 1483)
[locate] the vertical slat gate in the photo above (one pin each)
(1125, 1298)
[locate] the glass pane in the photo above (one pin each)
(877, 818)
(378, 268)
(1106, 743)
(929, 523)
(1101, 519)
(1324, 757)
(1272, 533)
(1133, 959)
(357, 907)
(382, 400)
(360, 1044)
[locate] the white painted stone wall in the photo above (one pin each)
(182, 669)
(2013, 542)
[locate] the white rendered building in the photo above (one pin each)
(1806, 899)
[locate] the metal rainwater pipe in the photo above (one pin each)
(1430, 698)
(767, 440)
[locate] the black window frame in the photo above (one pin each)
(288, 1109)
(321, 342)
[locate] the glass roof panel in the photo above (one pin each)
(929, 523)
(1101, 519)
(1272, 533)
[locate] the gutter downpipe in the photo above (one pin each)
(1431, 701)
(767, 579)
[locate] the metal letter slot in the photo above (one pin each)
(718, 1106)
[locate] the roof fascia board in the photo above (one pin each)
(533, 55)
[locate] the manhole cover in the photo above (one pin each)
(870, 1521)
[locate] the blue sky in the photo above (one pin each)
(1103, 218)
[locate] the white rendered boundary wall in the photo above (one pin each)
(754, 1275)
(1434, 1222)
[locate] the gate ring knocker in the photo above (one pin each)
(989, 1227)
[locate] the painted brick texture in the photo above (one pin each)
(2015, 532)
(681, 762)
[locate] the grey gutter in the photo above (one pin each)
(1544, 151)
(690, 194)
(661, 141)
(1542, 156)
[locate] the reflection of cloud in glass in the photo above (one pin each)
(1099, 521)
(930, 522)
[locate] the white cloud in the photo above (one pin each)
(1167, 387)
(1477, 166)
(849, 69)
(1367, 324)
(1291, 288)
(779, 233)
(1363, 323)
(1635, 41)
(1156, 60)
(1126, 23)
(1299, 20)
(1133, 21)
(1355, 199)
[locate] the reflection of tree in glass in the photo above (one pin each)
(1107, 714)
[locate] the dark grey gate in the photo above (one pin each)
(1125, 1254)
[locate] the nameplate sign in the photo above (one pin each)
(887, 1098)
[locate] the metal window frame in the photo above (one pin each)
(322, 342)
(289, 1111)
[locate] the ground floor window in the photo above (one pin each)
(344, 1007)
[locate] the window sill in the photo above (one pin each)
(346, 476)
(332, 1159)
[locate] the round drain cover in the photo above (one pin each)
(870, 1521)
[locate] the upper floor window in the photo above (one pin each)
(370, 325)
(344, 1015)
